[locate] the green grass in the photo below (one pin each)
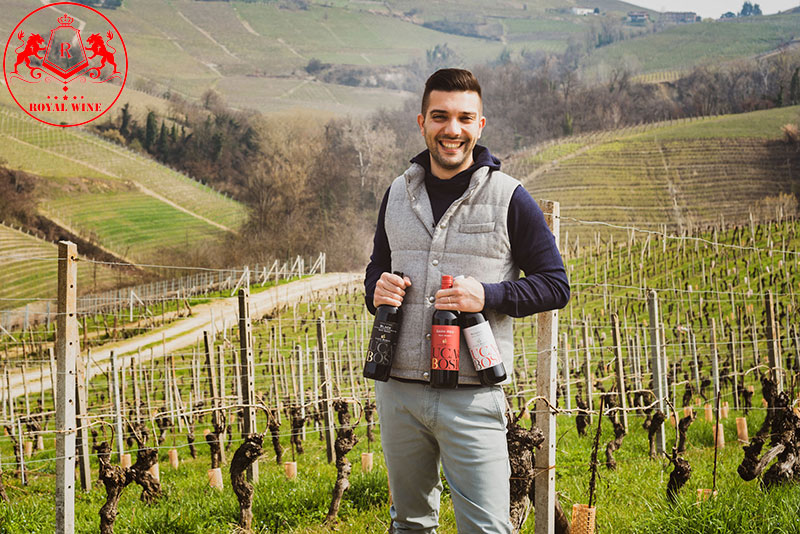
(28, 271)
(685, 46)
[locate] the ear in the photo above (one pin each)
(481, 125)
(421, 123)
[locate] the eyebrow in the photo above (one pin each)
(468, 113)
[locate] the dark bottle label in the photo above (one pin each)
(382, 342)
(445, 343)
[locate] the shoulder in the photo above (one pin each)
(503, 180)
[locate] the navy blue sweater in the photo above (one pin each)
(533, 248)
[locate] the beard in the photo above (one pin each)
(451, 161)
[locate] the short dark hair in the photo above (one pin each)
(449, 80)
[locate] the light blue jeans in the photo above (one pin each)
(465, 429)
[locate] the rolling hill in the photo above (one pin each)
(683, 174)
(685, 46)
(256, 53)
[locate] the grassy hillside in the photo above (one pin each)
(28, 270)
(685, 46)
(255, 53)
(685, 174)
(130, 205)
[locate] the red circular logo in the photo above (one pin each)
(65, 64)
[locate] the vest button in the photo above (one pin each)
(443, 225)
(425, 375)
(432, 299)
(427, 336)
(435, 263)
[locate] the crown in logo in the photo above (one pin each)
(65, 20)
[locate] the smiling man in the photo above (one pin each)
(454, 213)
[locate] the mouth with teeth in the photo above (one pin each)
(451, 146)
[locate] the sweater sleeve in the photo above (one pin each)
(533, 247)
(381, 259)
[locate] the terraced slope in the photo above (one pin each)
(684, 175)
(29, 270)
(128, 204)
(685, 46)
(255, 53)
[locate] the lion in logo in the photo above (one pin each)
(97, 46)
(34, 45)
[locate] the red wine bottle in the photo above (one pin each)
(483, 348)
(385, 332)
(445, 343)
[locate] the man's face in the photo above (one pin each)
(452, 125)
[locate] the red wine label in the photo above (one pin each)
(482, 346)
(445, 342)
(381, 344)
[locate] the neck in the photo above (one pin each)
(443, 173)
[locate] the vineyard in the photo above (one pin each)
(658, 323)
(117, 191)
(686, 174)
(686, 46)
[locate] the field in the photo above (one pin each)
(686, 174)
(129, 204)
(685, 46)
(247, 50)
(28, 271)
(722, 276)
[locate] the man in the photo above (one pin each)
(453, 212)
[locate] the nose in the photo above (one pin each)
(452, 127)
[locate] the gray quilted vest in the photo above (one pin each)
(471, 239)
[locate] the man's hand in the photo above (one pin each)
(466, 295)
(390, 290)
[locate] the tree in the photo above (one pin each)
(794, 88)
(757, 10)
(150, 131)
(161, 144)
(125, 119)
(747, 10)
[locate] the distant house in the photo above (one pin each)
(638, 18)
(674, 17)
(582, 11)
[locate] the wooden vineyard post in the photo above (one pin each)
(696, 367)
(66, 355)
(82, 408)
(623, 394)
(546, 373)
(774, 351)
(734, 370)
(211, 370)
(247, 375)
(565, 359)
(657, 365)
(715, 363)
(327, 388)
(588, 361)
(117, 405)
(302, 397)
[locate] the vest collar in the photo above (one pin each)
(414, 179)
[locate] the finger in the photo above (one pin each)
(390, 288)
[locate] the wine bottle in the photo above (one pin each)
(382, 342)
(483, 348)
(445, 344)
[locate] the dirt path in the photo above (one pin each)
(186, 332)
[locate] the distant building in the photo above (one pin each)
(582, 11)
(687, 17)
(638, 18)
